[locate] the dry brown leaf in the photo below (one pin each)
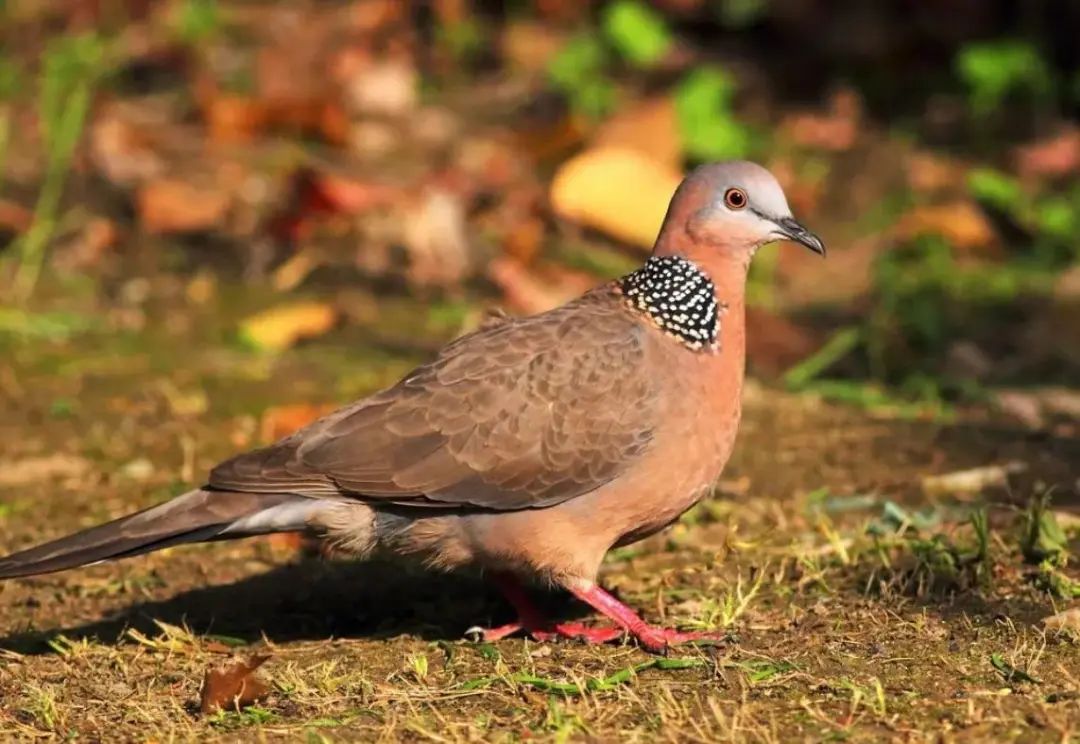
(932, 173)
(233, 685)
(1064, 620)
(280, 327)
(232, 119)
(530, 46)
(650, 127)
(436, 241)
(835, 130)
(89, 246)
(314, 195)
(172, 206)
(14, 217)
(124, 150)
(381, 87)
(31, 470)
(972, 480)
(961, 223)
(524, 239)
(618, 191)
(1054, 157)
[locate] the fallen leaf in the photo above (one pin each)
(233, 685)
(529, 46)
(1054, 157)
(524, 238)
(1022, 406)
(14, 217)
(232, 119)
(835, 131)
(933, 173)
(971, 480)
(281, 421)
(317, 194)
(125, 149)
(650, 127)
(280, 327)
(89, 246)
(173, 206)
(961, 223)
(1064, 620)
(436, 241)
(35, 470)
(381, 87)
(618, 191)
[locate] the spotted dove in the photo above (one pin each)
(529, 447)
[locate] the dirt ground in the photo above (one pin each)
(841, 625)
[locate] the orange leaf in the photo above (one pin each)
(171, 206)
(281, 421)
(233, 684)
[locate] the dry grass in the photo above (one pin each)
(834, 633)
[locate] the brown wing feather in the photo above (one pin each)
(520, 414)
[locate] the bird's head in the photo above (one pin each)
(732, 207)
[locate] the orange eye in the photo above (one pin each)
(735, 198)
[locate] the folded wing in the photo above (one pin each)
(521, 414)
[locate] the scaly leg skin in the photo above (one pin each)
(532, 620)
(654, 639)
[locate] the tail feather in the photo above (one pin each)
(196, 516)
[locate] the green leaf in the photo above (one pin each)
(1043, 538)
(741, 13)
(578, 70)
(707, 123)
(637, 32)
(1009, 672)
(582, 58)
(996, 189)
(197, 20)
(1057, 218)
(991, 70)
(842, 343)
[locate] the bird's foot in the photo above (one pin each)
(548, 632)
(653, 639)
(532, 620)
(579, 632)
(627, 622)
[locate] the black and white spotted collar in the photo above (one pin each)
(678, 297)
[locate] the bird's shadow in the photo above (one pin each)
(312, 599)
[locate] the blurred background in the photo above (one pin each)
(270, 207)
(221, 219)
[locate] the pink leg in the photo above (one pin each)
(532, 620)
(651, 638)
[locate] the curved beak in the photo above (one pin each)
(789, 228)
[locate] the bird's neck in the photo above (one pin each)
(697, 303)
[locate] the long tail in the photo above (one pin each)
(196, 516)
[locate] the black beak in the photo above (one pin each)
(792, 230)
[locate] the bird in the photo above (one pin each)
(527, 448)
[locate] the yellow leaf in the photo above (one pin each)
(961, 223)
(621, 192)
(280, 327)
